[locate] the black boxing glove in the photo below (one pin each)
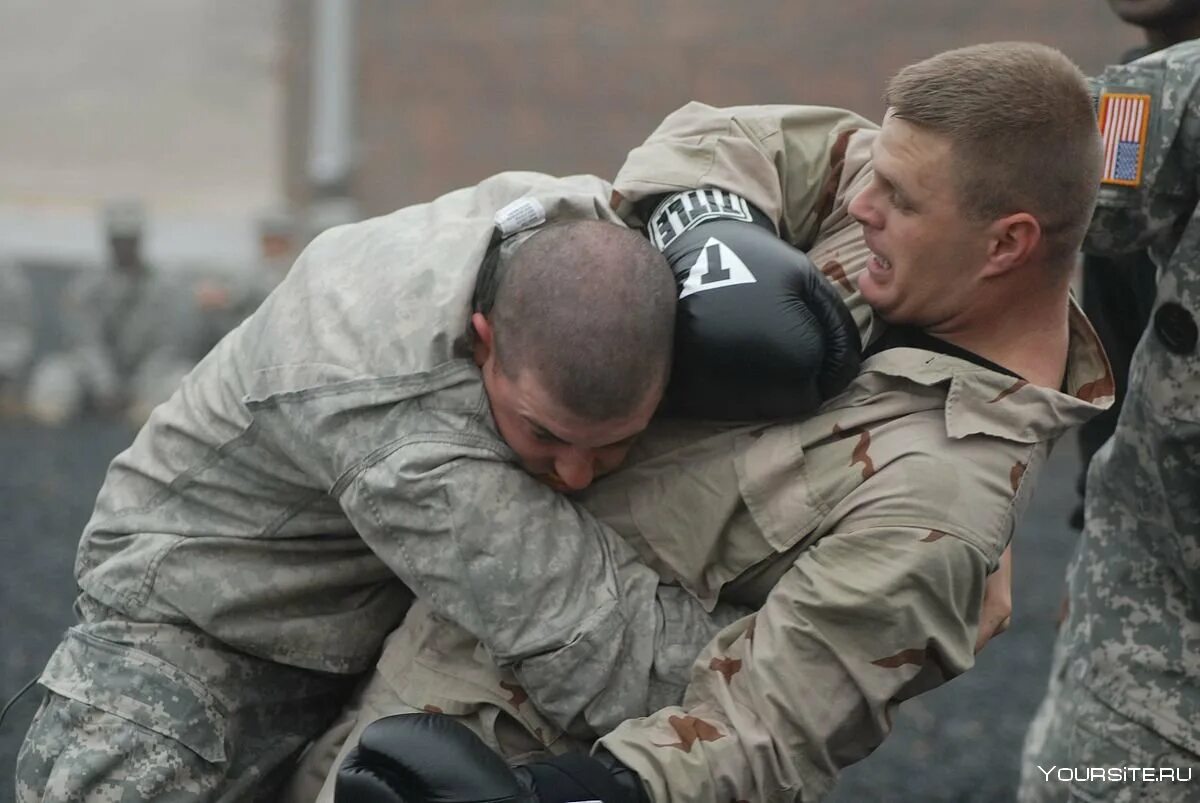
(432, 758)
(760, 332)
(419, 757)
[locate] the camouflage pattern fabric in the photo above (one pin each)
(153, 711)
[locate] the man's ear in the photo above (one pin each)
(482, 347)
(1014, 238)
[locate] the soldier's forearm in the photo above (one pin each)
(781, 701)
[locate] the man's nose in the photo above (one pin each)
(576, 468)
(862, 210)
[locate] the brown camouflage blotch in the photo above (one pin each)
(860, 453)
(1020, 383)
(837, 161)
(934, 535)
(432, 709)
(1104, 386)
(1015, 475)
(691, 730)
(910, 657)
(518, 694)
(728, 667)
(835, 272)
(927, 658)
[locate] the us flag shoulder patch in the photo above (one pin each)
(1124, 119)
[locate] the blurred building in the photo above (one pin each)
(447, 92)
(212, 112)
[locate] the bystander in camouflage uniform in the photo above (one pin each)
(16, 334)
(1125, 686)
(104, 326)
(229, 300)
(167, 333)
(186, 313)
(132, 332)
(241, 562)
(865, 533)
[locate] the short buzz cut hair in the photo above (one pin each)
(1022, 129)
(590, 307)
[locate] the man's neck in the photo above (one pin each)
(1029, 339)
(1182, 31)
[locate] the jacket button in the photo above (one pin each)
(1176, 328)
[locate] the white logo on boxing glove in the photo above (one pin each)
(684, 211)
(717, 266)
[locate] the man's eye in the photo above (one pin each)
(618, 445)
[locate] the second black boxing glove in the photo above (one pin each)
(432, 758)
(760, 331)
(410, 758)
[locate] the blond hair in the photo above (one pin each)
(1022, 129)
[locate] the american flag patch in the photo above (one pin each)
(1124, 119)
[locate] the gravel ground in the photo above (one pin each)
(960, 744)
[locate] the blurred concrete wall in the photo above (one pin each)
(177, 103)
(454, 90)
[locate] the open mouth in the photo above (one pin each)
(877, 264)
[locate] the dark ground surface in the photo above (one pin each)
(959, 744)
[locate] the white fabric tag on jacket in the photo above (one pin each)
(521, 214)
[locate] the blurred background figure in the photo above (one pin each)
(16, 335)
(104, 333)
(224, 299)
(1118, 293)
(186, 312)
(276, 245)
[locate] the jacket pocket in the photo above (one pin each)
(773, 479)
(138, 687)
(434, 665)
(688, 507)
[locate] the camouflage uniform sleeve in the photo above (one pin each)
(783, 699)
(549, 590)
(786, 160)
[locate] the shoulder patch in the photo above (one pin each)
(685, 210)
(1124, 119)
